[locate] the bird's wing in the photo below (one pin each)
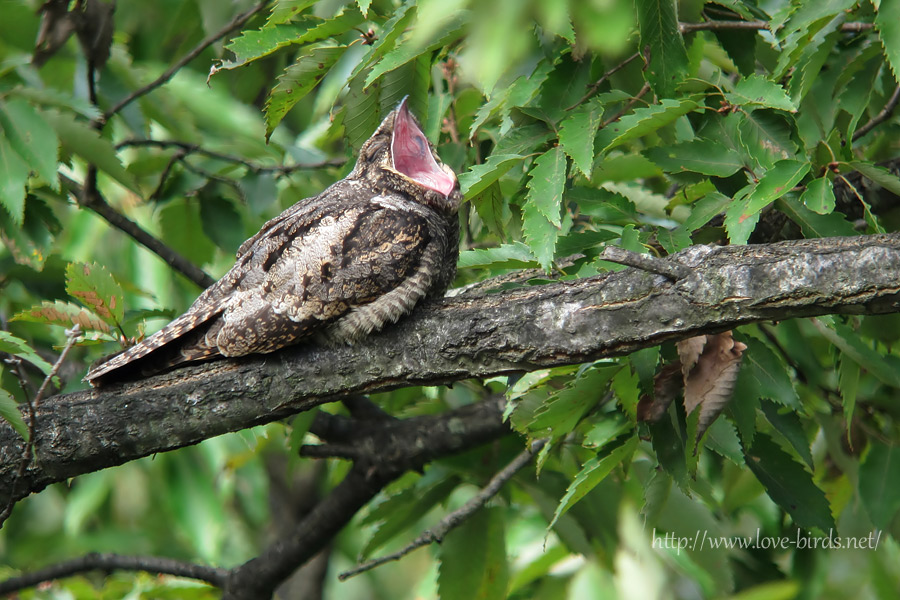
(343, 263)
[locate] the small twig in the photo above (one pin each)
(756, 25)
(115, 562)
(881, 117)
(236, 22)
(627, 106)
(457, 517)
(667, 268)
(189, 148)
(31, 409)
(596, 85)
(93, 200)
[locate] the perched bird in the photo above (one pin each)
(336, 266)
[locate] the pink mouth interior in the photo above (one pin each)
(413, 158)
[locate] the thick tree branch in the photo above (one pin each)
(457, 338)
(853, 27)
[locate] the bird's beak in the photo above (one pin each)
(412, 156)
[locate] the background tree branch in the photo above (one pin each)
(458, 338)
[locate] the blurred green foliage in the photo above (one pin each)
(572, 125)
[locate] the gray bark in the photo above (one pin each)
(476, 334)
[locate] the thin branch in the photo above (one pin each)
(854, 27)
(667, 268)
(596, 85)
(235, 23)
(457, 517)
(114, 562)
(881, 117)
(190, 148)
(627, 107)
(93, 200)
(32, 406)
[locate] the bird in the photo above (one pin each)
(332, 268)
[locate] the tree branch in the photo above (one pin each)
(91, 198)
(883, 115)
(235, 23)
(458, 338)
(853, 27)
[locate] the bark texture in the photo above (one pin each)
(474, 334)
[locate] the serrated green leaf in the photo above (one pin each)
(480, 177)
(515, 255)
(30, 241)
(592, 473)
(788, 424)
(848, 385)
(879, 482)
(766, 375)
(739, 222)
(643, 121)
(659, 31)
(403, 53)
(777, 181)
(547, 180)
(788, 484)
(387, 40)
(765, 136)
(698, 156)
(812, 224)
(298, 80)
(19, 347)
(255, 44)
(523, 140)
(819, 196)
(815, 52)
(540, 234)
(83, 140)
(13, 177)
(522, 91)
(577, 132)
(96, 288)
(9, 412)
(221, 220)
(284, 10)
(887, 21)
(364, 6)
(564, 409)
(704, 210)
(32, 138)
(363, 110)
(864, 355)
(604, 205)
(64, 314)
(473, 559)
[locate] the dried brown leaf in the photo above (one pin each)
(666, 386)
(709, 385)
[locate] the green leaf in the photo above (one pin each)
(819, 196)
(182, 229)
(564, 409)
(96, 288)
(592, 473)
(577, 132)
(403, 53)
(298, 80)
(765, 135)
(854, 348)
(643, 121)
(540, 234)
(515, 255)
(285, 10)
(363, 110)
(777, 181)
(64, 314)
(879, 175)
(704, 210)
(404, 509)
(492, 209)
(887, 21)
(879, 482)
(523, 140)
(814, 225)
(387, 40)
(221, 220)
(9, 412)
(659, 32)
(83, 140)
(763, 372)
(546, 183)
(13, 177)
(473, 559)
(788, 484)
(698, 156)
(848, 385)
(31, 241)
(480, 177)
(756, 90)
(788, 424)
(739, 223)
(254, 44)
(32, 138)
(20, 348)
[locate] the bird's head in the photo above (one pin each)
(400, 158)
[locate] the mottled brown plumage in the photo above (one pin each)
(338, 266)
